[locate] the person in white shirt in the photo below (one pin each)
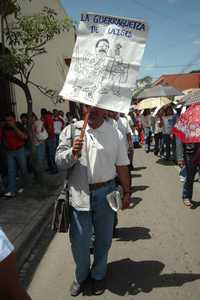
(146, 120)
(158, 131)
(10, 287)
(120, 122)
(168, 120)
(92, 165)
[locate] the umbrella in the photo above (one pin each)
(153, 102)
(193, 97)
(159, 91)
(157, 110)
(179, 99)
(187, 128)
(188, 91)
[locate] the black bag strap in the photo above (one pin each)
(72, 135)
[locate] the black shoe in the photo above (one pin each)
(75, 289)
(98, 286)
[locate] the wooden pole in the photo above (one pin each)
(85, 123)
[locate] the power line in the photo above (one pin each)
(160, 14)
(197, 56)
(168, 66)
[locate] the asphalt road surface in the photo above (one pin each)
(156, 254)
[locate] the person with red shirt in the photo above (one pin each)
(14, 138)
(47, 118)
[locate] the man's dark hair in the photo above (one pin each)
(102, 40)
(43, 111)
(23, 116)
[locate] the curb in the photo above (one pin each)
(31, 235)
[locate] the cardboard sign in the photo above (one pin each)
(105, 61)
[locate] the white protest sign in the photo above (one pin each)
(105, 61)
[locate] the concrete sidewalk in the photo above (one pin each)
(26, 216)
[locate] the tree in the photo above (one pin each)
(24, 39)
(144, 82)
(141, 84)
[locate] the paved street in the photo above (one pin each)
(156, 254)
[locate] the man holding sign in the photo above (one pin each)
(102, 75)
(92, 166)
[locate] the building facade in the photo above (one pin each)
(180, 81)
(50, 69)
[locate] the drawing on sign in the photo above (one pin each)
(103, 70)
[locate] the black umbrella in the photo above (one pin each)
(159, 91)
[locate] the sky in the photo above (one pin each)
(173, 44)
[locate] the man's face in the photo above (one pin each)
(24, 120)
(102, 47)
(10, 121)
(96, 114)
(113, 114)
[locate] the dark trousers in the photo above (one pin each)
(147, 138)
(158, 142)
(167, 145)
(191, 170)
(51, 151)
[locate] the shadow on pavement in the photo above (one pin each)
(135, 201)
(165, 162)
(132, 234)
(139, 188)
(127, 276)
(136, 175)
(139, 168)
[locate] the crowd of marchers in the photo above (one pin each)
(27, 147)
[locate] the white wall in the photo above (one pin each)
(50, 69)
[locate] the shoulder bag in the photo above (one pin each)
(61, 212)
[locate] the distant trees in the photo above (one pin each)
(141, 84)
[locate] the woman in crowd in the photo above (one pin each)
(158, 129)
(168, 120)
(188, 159)
(39, 136)
(146, 120)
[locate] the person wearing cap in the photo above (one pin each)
(92, 164)
(10, 287)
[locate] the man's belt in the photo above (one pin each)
(98, 185)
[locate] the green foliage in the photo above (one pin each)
(142, 84)
(27, 37)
